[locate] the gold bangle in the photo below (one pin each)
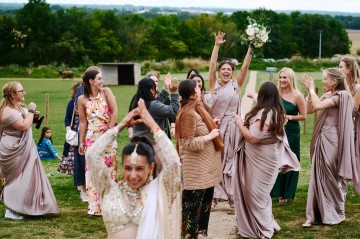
(307, 99)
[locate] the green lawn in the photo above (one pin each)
(73, 221)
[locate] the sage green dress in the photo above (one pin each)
(285, 185)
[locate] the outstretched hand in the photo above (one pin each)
(219, 38)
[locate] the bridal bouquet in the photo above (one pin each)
(256, 34)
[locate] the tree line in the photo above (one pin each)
(39, 35)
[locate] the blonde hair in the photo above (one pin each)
(354, 72)
(290, 75)
(337, 75)
(8, 89)
(154, 73)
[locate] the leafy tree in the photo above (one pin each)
(37, 21)
(7, 25)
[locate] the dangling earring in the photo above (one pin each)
(150, 178)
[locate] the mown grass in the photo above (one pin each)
(73, 222)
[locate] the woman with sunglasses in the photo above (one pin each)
(27, 189)
(225, 93)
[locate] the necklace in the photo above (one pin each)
(132, 196)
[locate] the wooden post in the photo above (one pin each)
(46, 109)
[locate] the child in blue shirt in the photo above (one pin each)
(45, 147)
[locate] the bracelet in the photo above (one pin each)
(290, 117)
(312, 92)
(31, 111)
(307, 99)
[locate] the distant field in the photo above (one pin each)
(354, 36)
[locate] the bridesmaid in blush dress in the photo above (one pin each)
(262, 153)
(332, 149)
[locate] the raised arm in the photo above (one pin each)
(219, 39)
(313, 102)
(165, 152)
(244, 69)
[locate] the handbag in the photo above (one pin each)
(72, 137)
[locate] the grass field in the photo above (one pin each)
(73, 222)
(354, 36)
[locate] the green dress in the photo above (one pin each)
(285, 185)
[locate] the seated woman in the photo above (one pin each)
(139, 206)
(45, 147)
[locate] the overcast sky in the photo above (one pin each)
(325, 5)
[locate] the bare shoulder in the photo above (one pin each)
(81, 100)
(298, 95)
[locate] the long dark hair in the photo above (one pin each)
(202, 79)
(42, 135)
(143, 92)
(186, 90)
(89, 74)
(192, 70)
(269, 99)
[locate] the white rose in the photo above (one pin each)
(251, 37)
(256, 29)
(264, 38)
(250, 31)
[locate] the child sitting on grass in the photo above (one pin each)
(45, 147)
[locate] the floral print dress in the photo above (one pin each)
(98, 118)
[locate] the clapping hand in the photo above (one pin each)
(308, 82)
(219, 38)
(174, 85)
(167, 81)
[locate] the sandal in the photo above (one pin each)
(307, 224)
(282, 200)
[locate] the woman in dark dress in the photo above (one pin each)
(294, 104)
